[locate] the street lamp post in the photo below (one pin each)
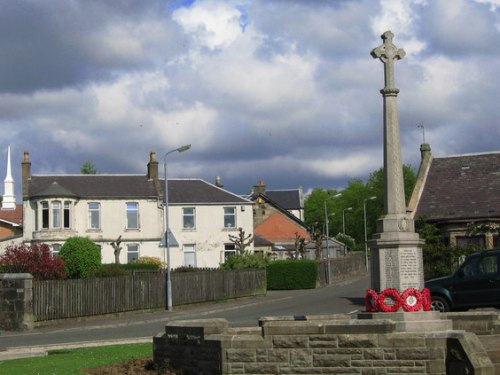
(327, 224)
(343, 218)
(165, 223)
(364, 218)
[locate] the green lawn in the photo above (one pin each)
(69, 362)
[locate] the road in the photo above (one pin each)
(338, 299)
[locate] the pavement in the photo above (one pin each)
(141, 326)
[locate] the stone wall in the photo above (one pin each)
(16, 301)
(318, 345)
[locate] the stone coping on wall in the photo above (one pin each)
(16, 276)
(337, 342)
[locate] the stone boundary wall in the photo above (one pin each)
(333, 344)
(342, 269)
(16, 301)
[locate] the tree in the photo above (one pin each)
(117, 249)
(317, 239)
(241, 241)
(35, 259)
(321, 200)
(82, 257)
(300, 247)
(88, 167)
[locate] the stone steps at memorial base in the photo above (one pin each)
(491, 344)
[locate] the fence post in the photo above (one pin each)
(16, 301)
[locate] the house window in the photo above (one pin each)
(496, 241)
(132, 252)
(189, 255)
(229, 217)
(56, 214)
(56, 248)
(45, 215)
(94, 215)
(132, 215)
(478, 241)
(66, 214)
(229, 249)
(189, 218)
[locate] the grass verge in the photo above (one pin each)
(71, 362)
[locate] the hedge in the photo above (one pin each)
(292, 274)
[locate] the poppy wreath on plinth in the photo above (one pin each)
(411, 300)
(392, 295)
(371, 301)
(426, 299)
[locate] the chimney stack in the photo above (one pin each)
(26, 173)
(260, 188)
(152, 166)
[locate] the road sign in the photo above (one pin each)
(172, 241)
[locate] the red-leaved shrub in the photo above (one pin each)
(35, 259)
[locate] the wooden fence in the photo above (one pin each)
(61, 299)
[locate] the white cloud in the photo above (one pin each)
(355, 165)
(212, 24)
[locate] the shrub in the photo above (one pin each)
(110, 270)
(441, 260)
(82, 257)
(292, 274)
(246, 260)
(149, 261)
(35, 259)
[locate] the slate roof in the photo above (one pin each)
(200, 192)
(101, 186)
(462, 187)
(92, 186)
(288, 199)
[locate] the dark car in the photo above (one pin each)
(475, 284)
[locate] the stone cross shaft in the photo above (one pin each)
(394, 200)
(396, 260)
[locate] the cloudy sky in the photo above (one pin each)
(284, 91)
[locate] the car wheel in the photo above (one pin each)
(439, 304)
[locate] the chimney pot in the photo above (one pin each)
(218, 182)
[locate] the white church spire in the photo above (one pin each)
(9, 200)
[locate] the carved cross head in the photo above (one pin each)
(388, 51)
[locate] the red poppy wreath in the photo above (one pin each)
(426, 299)
(389, 300)
(411, 300)
(371, 303)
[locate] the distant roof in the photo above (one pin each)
(462, 187)
(14, 217)
(261, 241)
(288, 199)
(101, 186)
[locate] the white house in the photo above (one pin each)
(104, 207)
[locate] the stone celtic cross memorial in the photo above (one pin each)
(396, 249)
